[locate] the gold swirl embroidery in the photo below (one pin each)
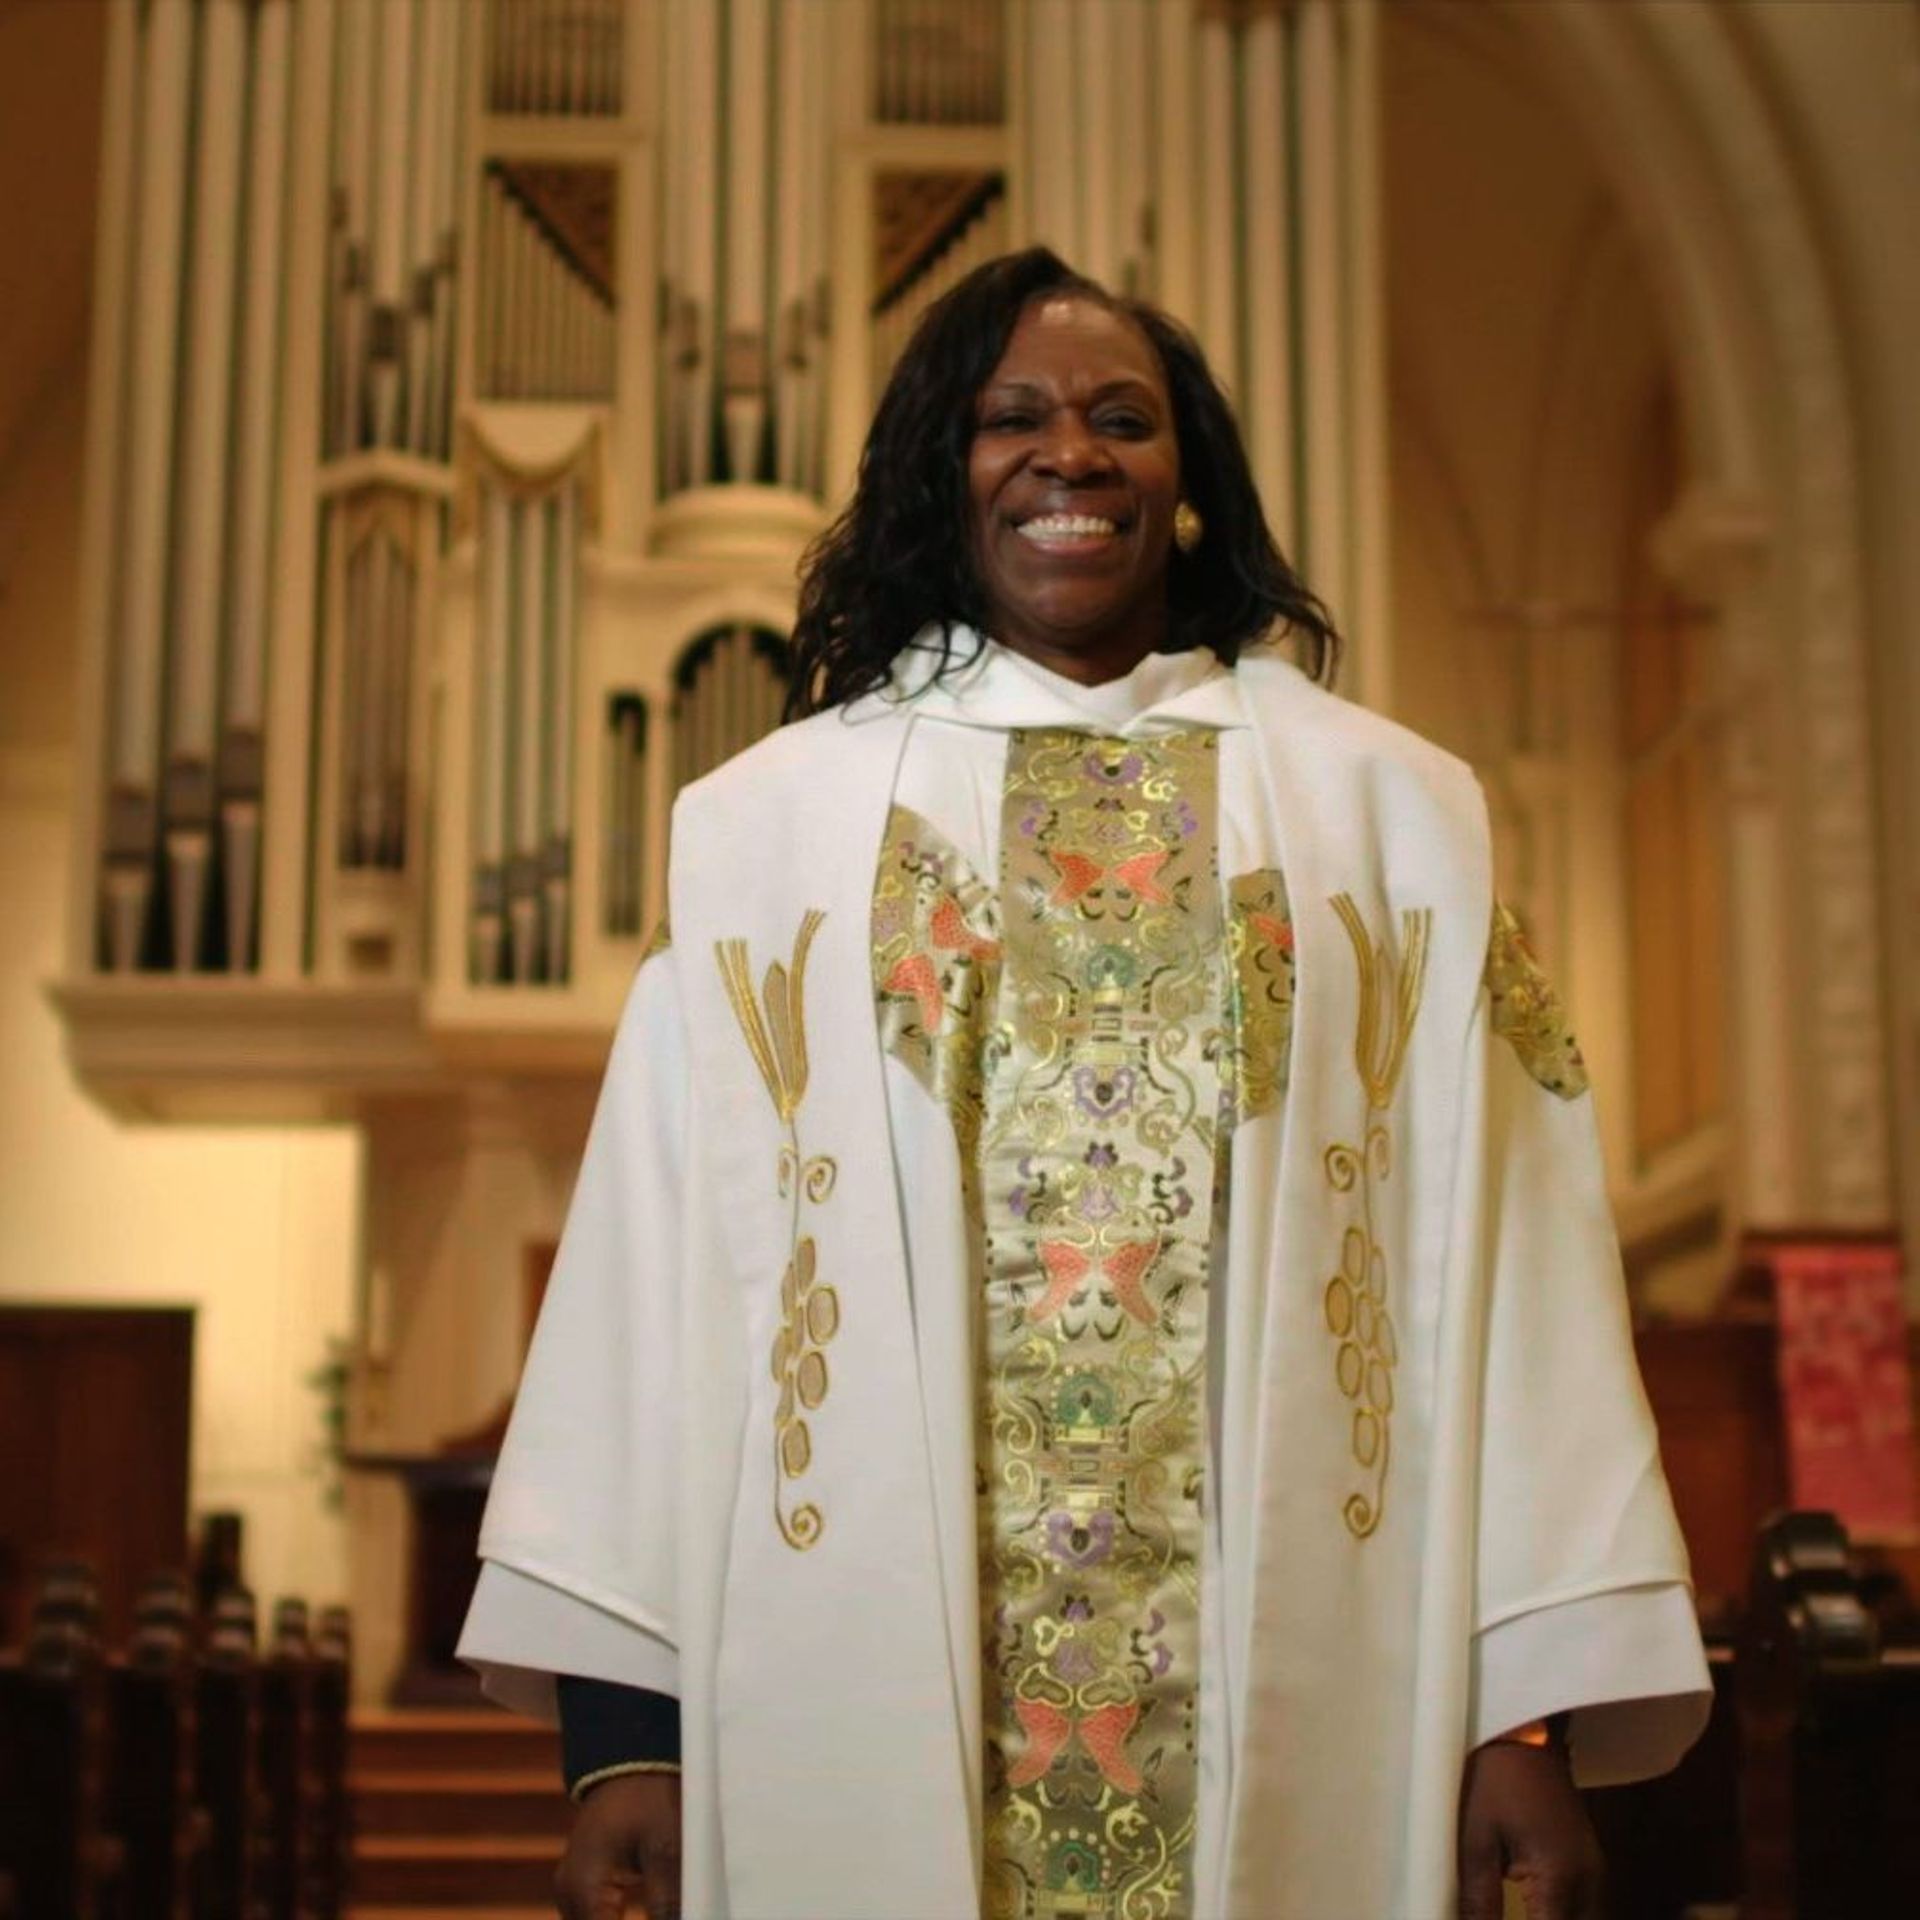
(1356, 1305)
(1259, 991)
(1527, 1013)
(775, 1030)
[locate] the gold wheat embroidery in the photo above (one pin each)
(1358, 1315)
(775, 1030)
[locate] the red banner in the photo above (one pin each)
(1845, 1381)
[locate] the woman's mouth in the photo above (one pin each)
(1069, 533)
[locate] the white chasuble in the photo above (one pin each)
(1108, 1429)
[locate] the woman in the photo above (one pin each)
(1088, 1371)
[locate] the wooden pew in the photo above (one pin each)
(150, 1788)
(331, 1849)
(1830, 1730)
(227, 1759)
(61, 1863)
(286, 1720)
(184, 1779)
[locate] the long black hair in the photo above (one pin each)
(900, 556)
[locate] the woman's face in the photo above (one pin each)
(1073, 475)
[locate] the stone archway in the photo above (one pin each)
(1770, 531)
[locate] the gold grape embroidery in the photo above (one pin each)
(1356, 1303)
(775, 1030)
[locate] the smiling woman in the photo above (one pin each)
(1027, 394)
(1140, 1418)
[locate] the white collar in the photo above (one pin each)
(1000, 689)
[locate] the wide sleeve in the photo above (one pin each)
(578, 1543)
(1582, 1591)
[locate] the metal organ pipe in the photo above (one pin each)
(131, 836)
(1323, 533)
(564, 547)
(529, 679)
(1098, 136)
(699, 22)
(1053, 140)
(1264, 168)
(193, 663)
(106, 421)
(749, 102)
(243, 703)
(1133, 144)
(353, 172)
(492, 737)
(433, 76)
(1217, 202)
(1176, 155)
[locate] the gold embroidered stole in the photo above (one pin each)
(1097, 1177)
(1093, 1030)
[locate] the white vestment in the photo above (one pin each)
(643, 1528)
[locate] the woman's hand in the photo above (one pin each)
(623, 1856)
(1521, 1819)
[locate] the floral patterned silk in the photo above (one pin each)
(1091, 1029)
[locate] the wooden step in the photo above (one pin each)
(409, 1800)
(450, 1740)
(414, 1870)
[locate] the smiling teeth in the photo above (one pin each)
(1060, 526)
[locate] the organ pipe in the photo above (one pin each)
(243, 704)
(97, 928)
(131, 835)
(351, 267)
(1323, 527)
(491, 737)
(1268, 363)
(1217, 203)
(193, 676)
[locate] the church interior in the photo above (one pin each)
(411, 415)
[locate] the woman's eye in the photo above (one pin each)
(1013, 422)
(1130, 425)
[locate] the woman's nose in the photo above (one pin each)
(1069, 449)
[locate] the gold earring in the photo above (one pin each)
(1188, 527)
